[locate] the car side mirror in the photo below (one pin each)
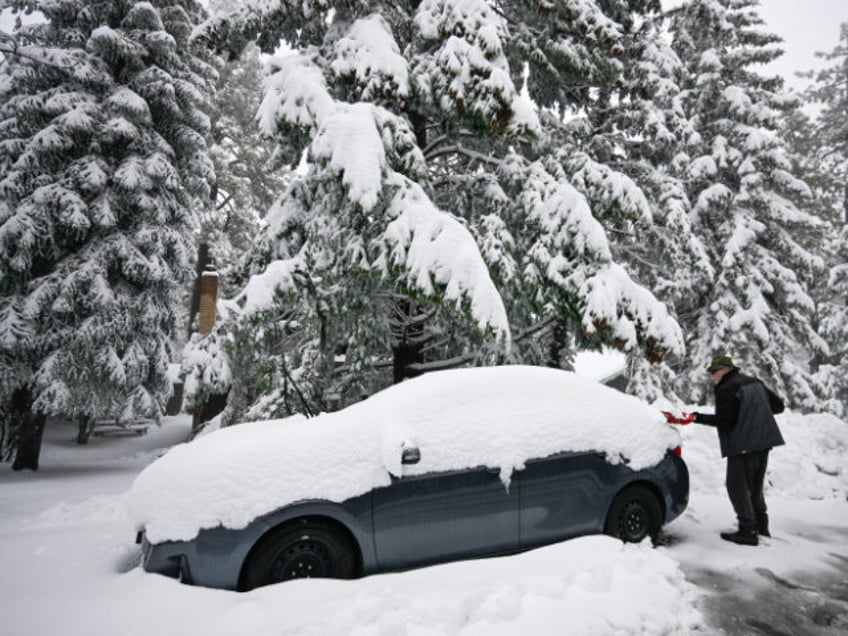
(410, 455)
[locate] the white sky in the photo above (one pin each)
(806, 26)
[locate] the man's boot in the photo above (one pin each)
(763, 525)
(743, 536)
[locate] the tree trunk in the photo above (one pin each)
(403, 356)
(407, 339)
(845, 205)
(560, 355)
(419, 126)
(30, 428)
(84, 428)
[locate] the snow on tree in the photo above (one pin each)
(822, 146)
(103, 160)
(748, 207)
(634, 137)
(205, 369)
(441, 219)
(247, 180)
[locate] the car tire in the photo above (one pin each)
(635, 514)
(307, 548)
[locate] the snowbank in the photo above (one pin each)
(593, 585)
(494, 416)
(810, 466)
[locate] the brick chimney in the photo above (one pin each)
(208, 302)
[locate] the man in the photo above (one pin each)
(747, 431)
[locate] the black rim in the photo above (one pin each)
(633, 523)
(303, 559)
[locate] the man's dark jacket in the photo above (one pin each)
(743, 417)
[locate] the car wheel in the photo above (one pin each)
(635, 514)
(303, 549)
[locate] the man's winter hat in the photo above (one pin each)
(719, 362)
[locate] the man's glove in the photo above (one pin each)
(685, 418)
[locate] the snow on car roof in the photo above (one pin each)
(493, 416)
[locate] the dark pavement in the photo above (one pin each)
(761, 602)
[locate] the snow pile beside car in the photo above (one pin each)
(592, 585)
(493, 416)
(810, 466)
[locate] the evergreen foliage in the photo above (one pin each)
(641, 130)
(748, 207)
(822, 144)
(103, 159)
(411, 185)
(444, 218)
(247, 180)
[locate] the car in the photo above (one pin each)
(451, 465)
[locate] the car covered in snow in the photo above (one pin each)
(451, 465)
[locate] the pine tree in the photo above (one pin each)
(747, 205)
(822, 144)
(247, 181)
(103, 161)
(444, 217)
(640, 130)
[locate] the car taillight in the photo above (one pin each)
(677, 450)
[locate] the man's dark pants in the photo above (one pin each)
(745, 476)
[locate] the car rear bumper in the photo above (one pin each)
(677, 482)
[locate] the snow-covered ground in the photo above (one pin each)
(68, 564)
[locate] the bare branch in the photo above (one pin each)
(465, 152)
(535, 329)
